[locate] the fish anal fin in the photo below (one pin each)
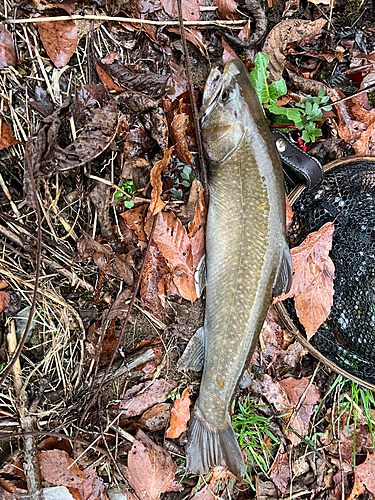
(209, 446)
(193, 356)
(284, 274)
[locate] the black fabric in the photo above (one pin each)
(347, 193)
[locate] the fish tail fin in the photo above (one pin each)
(209, 445)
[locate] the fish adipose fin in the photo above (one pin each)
(208, 446)
(284, 274)
(193, 356)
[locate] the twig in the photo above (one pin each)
(7, 194)
(30, 464)
(189, 82)
(133, 20)
(138, 284)
(28, 166)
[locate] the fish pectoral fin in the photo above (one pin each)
(200, 276)
(245, 380)
(208, 446)
(193, 356)
(284, 274)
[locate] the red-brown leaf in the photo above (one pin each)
(134, 219)
(150, 468)
(135, 405)
(226, 9)
(157, 204)
(364, 478)
(312, 286)
(289, 212)
(7, 49)
(4, 300)
(107, 346)
(178, 133)
(7, 139)
(190, 9)
(180, 415)
(60, 40)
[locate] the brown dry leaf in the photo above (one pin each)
(6, 495)
(104, 258)
(226, 9)
(300, 421)
(280, 473)
(7, 139)
(150, 468)
(55, 443)
(222, 474)
(107, 346)
(134, 219)
(60, 40)
(284, 33)
(273, 392)
(107, 80)
(12, 477)
(7, 49)
(366, 143)
(313, 273)
(180, 415)
(3, 284)
(134, 404)
(289, 212)
(190, 9)
(95, 117)
(157, 203)
(155, 282)
(364, 475)
(58, 468)
(156, 418)
(272, 337)
(200, 215)
(4, 300)
(178, 133)
(291, 7)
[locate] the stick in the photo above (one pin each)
(133, 20)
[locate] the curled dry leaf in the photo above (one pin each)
(226, 9)
(60, 40)
(313, 273)
(58, 468)
(364, 475)
(94, 114)
(7, 49)
(134, 219)
(106, 346)
(178, 133)
(7, 139)
(150, 468)
(280, 472)
(300, 421)
(4, 300)
(180, 415)
(156, 418)
(133, 404)
(157, 203)
(283, 34)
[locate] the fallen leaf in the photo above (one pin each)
(272, 337)
(190, 9)
(156, 418)
(104, 258)
(221, 474)
(150, 468)
(7, 49)
(200, 212)
(41, 101)
(12, 477)
(7, 139)
(280, 473)
(177, 80)
(366, 143)
(155, 282)
(55, 443)
(94, 113)
(60, 40)
(283, 34)
(59, 469)
(107, 80)
(4, 300)
(180, 415)
(100, 197)
(364, 478)
(228, 52)
(97, 345)
(134, 219)
(273, 392)
(133, 404)
(226, 9)
(313, 273)
(157, 203)
(178, 133)
(300, 421)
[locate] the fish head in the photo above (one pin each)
(230, 106)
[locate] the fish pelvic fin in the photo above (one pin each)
(208, 446)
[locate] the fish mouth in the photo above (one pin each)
(216, 82)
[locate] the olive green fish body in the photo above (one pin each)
(247, 257)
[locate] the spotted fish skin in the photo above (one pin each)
(247, 257)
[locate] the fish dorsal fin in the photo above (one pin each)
(284, 274)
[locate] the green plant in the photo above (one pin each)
(304, 115)
(128, 188)
(251, 428)
(187, 176)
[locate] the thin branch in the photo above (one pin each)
(189, 82)
(133, 20)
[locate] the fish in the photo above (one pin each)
(247, 257)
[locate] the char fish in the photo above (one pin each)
(247, 256)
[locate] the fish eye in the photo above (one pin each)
(225, 96)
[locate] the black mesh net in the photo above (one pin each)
(347, 194)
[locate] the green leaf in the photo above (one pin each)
(305, 136)
(186, 183)
(186, 172)
(327, 108)
(129, 204)
(259, 75)
(293, 114)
